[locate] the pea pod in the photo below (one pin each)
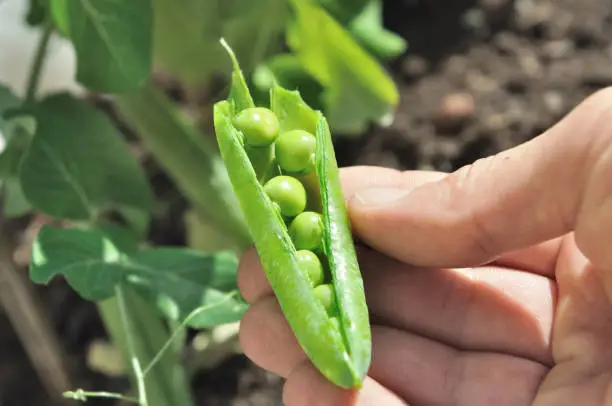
(328, 313)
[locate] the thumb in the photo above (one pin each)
(555, 183)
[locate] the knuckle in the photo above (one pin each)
(595, 122)
(462, 187)
(602, 97)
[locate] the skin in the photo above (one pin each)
(488, 286)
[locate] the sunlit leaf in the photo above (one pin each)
(357, 89)
(180, 280)
(77, 165)
(112, 39)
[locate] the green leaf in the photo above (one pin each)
(8, 101)
(180, 280)
(367, 28)
(187, 34)
(287, 71)
(344, 10)
(15, 202)
(184, 280)
(257, 30)
(16, 133)
(59, 15)
(88, 259)
(36, 12)
(112, 39)
(358, 90)
(135, 327)
(78, 165)
(186, 38)
(190, 158)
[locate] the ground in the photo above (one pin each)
(479, 76)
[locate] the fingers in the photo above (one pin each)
(428, 373)
(252, 281)
(482, 309)
(357, 178)
(267, 339)
(306, 387)
(540, 258)
(556, 183)
(583, 327)
(409, 368)
(478, 309)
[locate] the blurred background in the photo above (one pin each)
(475, 77)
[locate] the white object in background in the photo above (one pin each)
(18, 43)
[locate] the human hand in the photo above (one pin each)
(488, 286)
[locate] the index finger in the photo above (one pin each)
(556, 183)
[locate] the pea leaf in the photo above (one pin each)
(190, 159)
(180, 280)
(184, 38)
(257, 30)
(36, 12)
(187, 34)
(357, 89)
(344, 10)
(8, 101)
(287, 71)
(112, 39)
(15, 137)
(59, 15)
(367, 28)
(77, 165)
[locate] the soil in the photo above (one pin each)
(480, 76)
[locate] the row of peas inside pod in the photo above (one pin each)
(294, 153)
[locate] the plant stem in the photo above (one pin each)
(130, 345)
(83, 395)
(191, 160)
(39, 61)
(30, 320)
(136, 328)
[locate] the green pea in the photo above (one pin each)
(259, 126)
(295, 151)
(288, 193)
(306, 231)
(312, 265)
(325, 295)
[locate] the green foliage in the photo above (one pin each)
(368, 30)
(16, 133)
(113, 41)
(94, 262)
(8, 101)
(68, 160)
(78, 166)
(190, 160)
(187, 32)
(37, 12)
(357, 90)
(344, 10)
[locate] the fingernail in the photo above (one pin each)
(380, 196)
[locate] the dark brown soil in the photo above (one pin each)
(479, 76)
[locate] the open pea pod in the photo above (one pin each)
(283, 169)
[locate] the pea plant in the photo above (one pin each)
(271, 179)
